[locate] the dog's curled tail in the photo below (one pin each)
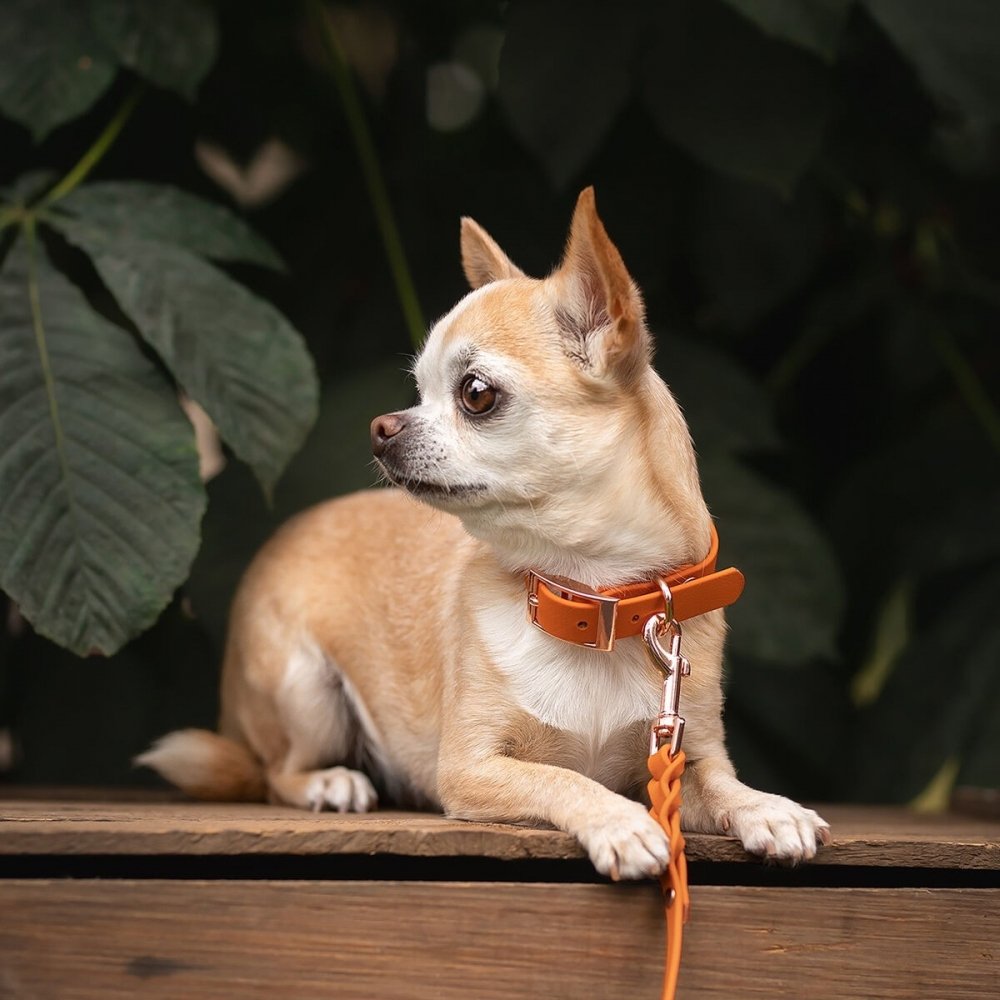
(206, 765)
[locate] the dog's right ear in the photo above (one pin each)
(482, 260)
(599, 306)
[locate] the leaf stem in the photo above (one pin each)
(370, 167)
(969, 385)
(96, 153)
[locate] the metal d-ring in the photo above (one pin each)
(668, 600)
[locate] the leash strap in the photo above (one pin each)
(665, 769)
(662, 636)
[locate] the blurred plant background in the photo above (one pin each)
(806, 191)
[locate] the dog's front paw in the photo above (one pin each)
(778, 828)
(342, 789)
(626, 842)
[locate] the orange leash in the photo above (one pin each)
(664, 789)
(662, 635)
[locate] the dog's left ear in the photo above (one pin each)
(599, 306)
(482, 260)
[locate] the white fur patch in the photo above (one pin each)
(583, 691)
(315, 713)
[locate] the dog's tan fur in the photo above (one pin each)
(377, 634)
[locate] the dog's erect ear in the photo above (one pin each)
(599, 306)
(482, 260)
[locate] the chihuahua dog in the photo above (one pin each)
(381, 639)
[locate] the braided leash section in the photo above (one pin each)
(665, 795)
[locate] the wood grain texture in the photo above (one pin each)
(83, 940)
(862, 835)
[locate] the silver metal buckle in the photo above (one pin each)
(607, 607)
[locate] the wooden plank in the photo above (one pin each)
(83, 940)
(862, 835)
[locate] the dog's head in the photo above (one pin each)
(541, 422)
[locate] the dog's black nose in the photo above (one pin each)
(385, 428)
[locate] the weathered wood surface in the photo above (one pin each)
(116, 940)
(862, 836)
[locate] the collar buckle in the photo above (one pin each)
(571, 590)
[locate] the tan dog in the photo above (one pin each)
(379, 634)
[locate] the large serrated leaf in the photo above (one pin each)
(232, 352)
(100, 498)
(170, 44)
(740, 102)
(815, 25)
(52, 66)
(790, 611)
(952, 46)
(563, 89)
(158, 212)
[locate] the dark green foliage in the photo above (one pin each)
(171, 45)
(58, 57)
(98, 469)
(54, 65)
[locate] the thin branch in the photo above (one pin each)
(372, 171)
(969, 385)
(96, 153)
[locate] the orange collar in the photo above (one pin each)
(596, 618)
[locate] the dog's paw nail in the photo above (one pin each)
(628, 844)
(778, 829)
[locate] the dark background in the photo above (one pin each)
(808, 200)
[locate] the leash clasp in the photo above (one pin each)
(669, 723)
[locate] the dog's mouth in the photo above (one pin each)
(425, 489)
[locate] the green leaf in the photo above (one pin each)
(52, 66)
(562, 89)
(738, 101)
(939, 696)
(791, 609)
(172, 45)
(232, 352)
(160, 213)
(815, 25)
(726, 408)
(952, 46)
(99, 491)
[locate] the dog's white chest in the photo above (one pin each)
(582, 691)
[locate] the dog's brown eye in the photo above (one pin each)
(478, 397)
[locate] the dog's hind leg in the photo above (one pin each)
(323, 735)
